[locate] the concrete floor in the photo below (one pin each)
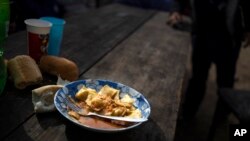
(198, 128)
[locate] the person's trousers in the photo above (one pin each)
(208, 48)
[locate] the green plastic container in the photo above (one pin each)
(4, 27)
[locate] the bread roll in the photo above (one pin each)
(24, 71)
(63, 67)
(43, 98)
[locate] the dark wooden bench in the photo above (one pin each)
(230, 101)
(238, 102)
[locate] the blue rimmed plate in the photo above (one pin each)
(72, 88)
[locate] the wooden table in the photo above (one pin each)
(119, 43)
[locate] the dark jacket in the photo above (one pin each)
(234, 13)
(163, 5)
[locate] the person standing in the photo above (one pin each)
(218, 29)
(26, 9)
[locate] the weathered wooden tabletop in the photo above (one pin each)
(119, 43)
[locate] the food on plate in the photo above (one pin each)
(42, 98)
(106, 102)
(24, 71)
(74, 114)
(59, 66)
(95, 122)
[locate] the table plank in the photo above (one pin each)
(153, 61)
(100, 32)
(87, 38)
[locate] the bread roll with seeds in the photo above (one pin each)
(24, 71)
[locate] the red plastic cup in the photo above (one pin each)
(37, 37)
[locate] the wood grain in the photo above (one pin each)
(95, 34)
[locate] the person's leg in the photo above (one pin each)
(219, 120)
(225, 61)
(226, 66)
(197, 84)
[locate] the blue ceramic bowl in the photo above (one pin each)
(72, 88)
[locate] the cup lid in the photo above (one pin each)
(54, 20)
(38, 23)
